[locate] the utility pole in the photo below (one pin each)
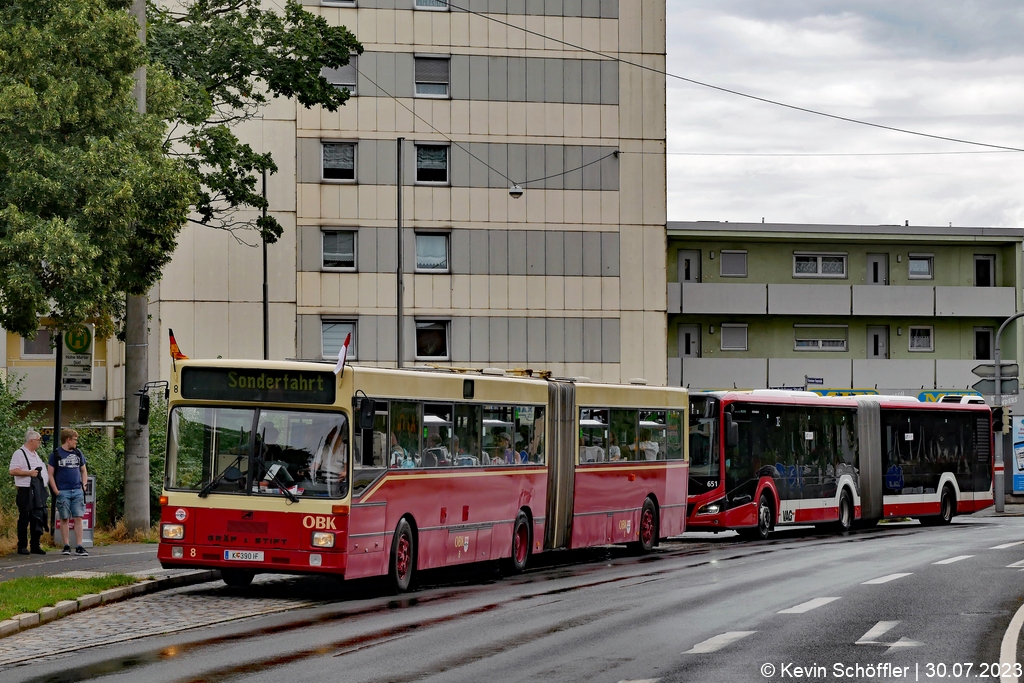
(401, 283)
(266, 287)
(136, 370)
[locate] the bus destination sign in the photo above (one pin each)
(258, 385)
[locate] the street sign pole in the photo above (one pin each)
(997, 479)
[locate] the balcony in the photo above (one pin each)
(717, 298)
(975, 302)
(894, 300)
(905, 376)
(809, 299)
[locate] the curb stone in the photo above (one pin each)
(20, 622)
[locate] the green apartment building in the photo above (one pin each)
(898, 309)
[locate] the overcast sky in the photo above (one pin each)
(952, 68)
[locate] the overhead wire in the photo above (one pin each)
(731, 91)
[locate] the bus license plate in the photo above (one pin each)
(244, 555)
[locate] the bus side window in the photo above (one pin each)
(404, 440)
(623, 433)
(529, 434)
(466, 445)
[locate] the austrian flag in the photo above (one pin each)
(342, 354)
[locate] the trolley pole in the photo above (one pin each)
(998, 484)
(400, 278)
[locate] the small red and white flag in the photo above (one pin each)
(342, 354)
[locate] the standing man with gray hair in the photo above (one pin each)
(26, 466)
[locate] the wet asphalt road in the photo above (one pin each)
(706, 608)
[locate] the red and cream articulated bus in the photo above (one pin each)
(286, 467)
(766, 458)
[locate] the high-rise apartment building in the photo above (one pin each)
(486, 93)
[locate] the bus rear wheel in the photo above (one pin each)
(520, 544)
(237, 578)
(764, 521)
(947, 508)
(845, 512)
(647, 531)
(403, 558)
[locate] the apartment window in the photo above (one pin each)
(40, 347)
(733, 263)
(339, 161)
(982, 343)
(432, 76)
(432, 253)
(339, 249)
(734, 337)
(432, 4)
(431, 164)
(921, 267)
(432, 339)
(338, 3)
(820, 337)
(819, 265)
(922, 339)
(332, 336)
(344, 77)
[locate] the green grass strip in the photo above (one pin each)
(29, 594)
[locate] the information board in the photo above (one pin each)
(1018, 454)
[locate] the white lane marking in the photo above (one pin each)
(808, 606)
(1006, 545)
(642, 680)
(879, 630)
(875, 632)
(951, 560)
(885, 579)
(1019, 563)
(718, 642)
(1008, 649)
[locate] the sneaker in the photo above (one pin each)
(23, 551)
(38, 551)
(66, 551)
(81, 552)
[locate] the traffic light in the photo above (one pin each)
(1007, 421)
(998, 423)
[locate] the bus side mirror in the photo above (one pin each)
(144, 409)
(367, 410)
(732, 432)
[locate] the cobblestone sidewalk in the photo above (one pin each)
(169, 611)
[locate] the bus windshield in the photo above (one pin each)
(704, 460)
(257, 452)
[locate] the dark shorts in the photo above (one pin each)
(71, 504)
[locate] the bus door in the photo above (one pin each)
(561, 464)
(983, 453)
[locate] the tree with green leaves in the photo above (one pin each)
(213, 65)
(90, 200)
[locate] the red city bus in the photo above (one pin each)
(767, 458)
(285, 467)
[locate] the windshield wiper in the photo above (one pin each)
(221, 477)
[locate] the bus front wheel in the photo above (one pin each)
(237, 578)
(764, 521)
(403, 557)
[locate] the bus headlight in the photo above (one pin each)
(172, 532)
(177, 552)
(710, 508)
(323, 539)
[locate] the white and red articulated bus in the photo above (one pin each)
(767, 458)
